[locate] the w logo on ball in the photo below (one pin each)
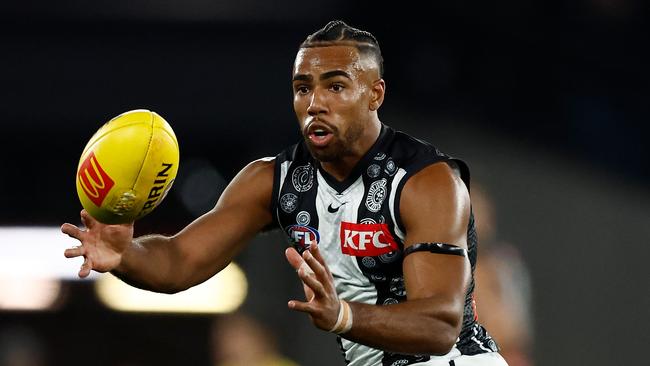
(94, 180)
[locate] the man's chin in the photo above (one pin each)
(324, 155)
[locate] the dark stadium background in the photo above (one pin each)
(546, 101)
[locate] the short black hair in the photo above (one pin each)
(337, 32)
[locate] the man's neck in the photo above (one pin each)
(342, 168)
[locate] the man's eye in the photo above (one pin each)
(302, 89)
(337, 87)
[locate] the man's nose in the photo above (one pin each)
(317, 104)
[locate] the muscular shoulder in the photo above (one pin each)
(441, 180)
(260, 170)
(435, 205)
(253, 183)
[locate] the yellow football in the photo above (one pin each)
(127, 167)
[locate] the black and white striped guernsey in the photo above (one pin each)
(358, 227)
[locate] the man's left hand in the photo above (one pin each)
(322, 303)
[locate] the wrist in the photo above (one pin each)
(344, 319)
(121, 260)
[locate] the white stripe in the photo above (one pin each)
(391, 201)
(284, 170)
(351, 284)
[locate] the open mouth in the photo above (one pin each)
(320, 136)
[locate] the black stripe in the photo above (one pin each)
(452, 363)
(303, 197)
(276, 188)
(287, 155)
(438, 248)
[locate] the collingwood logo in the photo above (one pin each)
(303, 178)
(376, 195)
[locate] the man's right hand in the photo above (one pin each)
(101, 246)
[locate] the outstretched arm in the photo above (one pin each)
(203, 248)
(434, 208)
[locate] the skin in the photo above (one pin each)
(336, 89)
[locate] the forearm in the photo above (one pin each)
(151, 263)
(417, 327)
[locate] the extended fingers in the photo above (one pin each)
(294, 258)
(309, 293)
(315, 251)
(72, 231)
(320, 269)
(305, 307)
(306, 271)
(308, 278)
(84, 271)
(315, 265)
(75, 252)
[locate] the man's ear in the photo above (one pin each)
(377, 94)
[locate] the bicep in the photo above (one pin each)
(435, 209)
(212, 240)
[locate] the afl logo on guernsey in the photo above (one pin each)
(303, 178)
(302, 235)
(366, 240)
(376, 195)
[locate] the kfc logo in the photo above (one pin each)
(366, 240)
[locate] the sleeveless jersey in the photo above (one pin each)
(358, 228)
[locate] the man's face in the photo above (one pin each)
(332, 89)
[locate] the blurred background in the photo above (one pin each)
(547, 102)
